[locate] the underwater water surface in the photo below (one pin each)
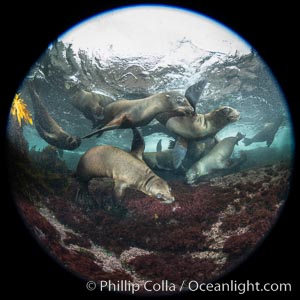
(152, 204)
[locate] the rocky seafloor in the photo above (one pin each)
(209, 229)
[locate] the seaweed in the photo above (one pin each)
(240, 245)
(73, 239)
(81, 262)
(230, 216)
(175, 269)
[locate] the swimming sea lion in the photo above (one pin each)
(199, 125)
(135, 113)
(164, 160)
(89, 103)
(48, 128)
(217, 158)
(161, 160)
(267, 133)
(128, 170)
(167, 159)
(197, 149)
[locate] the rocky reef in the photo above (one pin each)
(208, 229)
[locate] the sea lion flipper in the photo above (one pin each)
(236, 162)
(98, 131)
(119, 191)
(60, 152)
(239, 137)
(113, 124)
(194, 92)
(270, 141)
(179, 152)
(158, 146)
(82, 196)
(247, 141)
(138, 144)
(217, 139)
(171, 144)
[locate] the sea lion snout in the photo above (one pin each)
(161, 191)
(74, 142)
(165, 198)
(178, 103)
(169, 201)
(232, 114)
(185, 110)
(228, 113)
(192, 174)
(190, 177)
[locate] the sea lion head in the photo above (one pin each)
(73, 142)
(159, 189)
(194, 173)
(227, 114)
(177, 102)
(98, 113)
(98, 110)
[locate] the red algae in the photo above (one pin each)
(73, 239)
(240, 245)
(174, 268)
(81, 262)
(37, 223)
(229, 214)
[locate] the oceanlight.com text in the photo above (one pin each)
(192, 286)
(239, 287)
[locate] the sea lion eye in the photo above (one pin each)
(226, 110)
(179, 99)
(159, 196)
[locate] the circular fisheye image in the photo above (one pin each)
(150, 150)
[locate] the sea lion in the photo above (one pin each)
(128, 170)
(192, 94)
(135, 113)
(167, 159)
(47, 127)
(267, 133)
(164, 160)
(199, 125)
(197, 149)
(161, 160)
(218, 158)
(89, 103)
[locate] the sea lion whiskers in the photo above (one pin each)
(159, 189)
